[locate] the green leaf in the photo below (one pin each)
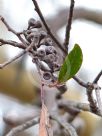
(71, 64)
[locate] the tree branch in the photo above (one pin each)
(22, 127)
(68, 27)
(60, 18)
(13, 43)
(46, 26)
(93, 104)
(17, 56)
(98, 77)
(80, 82)
(68, 127)
(69, 103)
(98, 97)
(13, 31)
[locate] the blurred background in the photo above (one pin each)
(16, 80)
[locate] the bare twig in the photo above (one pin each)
(18, 56)
(8, 27)
(99, 102)
(97, 92)
(42, 84)
(13, 31)
(98, 77)
(69, 103)
(11, 60)
(80, 82)
(47, 27)
(93, 104)
(79, 13)
(74, 107)
(22, 127)
(68, 127)
(69, 23)
(13, 43)
(89, 88)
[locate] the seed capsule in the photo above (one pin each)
(32, 23)
(41, 53)
(47, 75)
(50, 50)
